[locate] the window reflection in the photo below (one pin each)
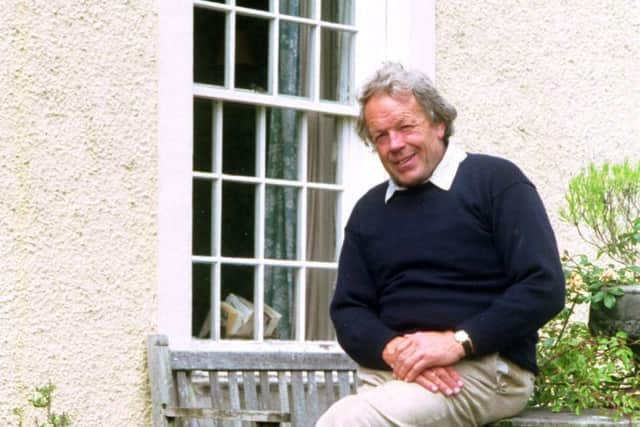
(208, 46)
(252, 53)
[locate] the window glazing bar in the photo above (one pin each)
(281, 101)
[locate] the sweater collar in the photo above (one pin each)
(442, 176)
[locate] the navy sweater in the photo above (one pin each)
(480, 257)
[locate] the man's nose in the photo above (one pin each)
(396, 140)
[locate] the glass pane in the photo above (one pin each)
(239, 139)
(294, 59)
(254, 4)
(279, 295)
(321, 225)
(202, 135)
(208, 46)
(281, 221)
(339, 11)
(237, 285)
(296, 7)
(252, 52)
(320, 286)
(201, 300)
(216, 1)
(322, 158)
(336, 65)
(238, 219)
(282, 143)
(202, 217)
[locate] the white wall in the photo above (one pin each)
(77, 212)
(551, 85)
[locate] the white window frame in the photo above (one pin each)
(399, 30)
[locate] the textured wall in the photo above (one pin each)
(78, 94)
(549, 84)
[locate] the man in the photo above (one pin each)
(445, 275)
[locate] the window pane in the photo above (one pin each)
(202, 217)
(294, 62)
(336, 65)
(237, 281)
(202, 135)
(281, 222)
(239, 139)
(279, 294)
(321, 225)
(296, 7)
(216, 1)
(320, 285)
(322, 159)
(238, 219)
(254, 4)
(252, 51)
(282, 143)
(339, 11)
(208, 46)
(201, 301)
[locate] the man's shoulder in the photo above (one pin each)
(375, 194)
(491, 167)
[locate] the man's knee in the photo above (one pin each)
(351, 411)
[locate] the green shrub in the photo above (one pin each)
(43, 400)
(603, 203)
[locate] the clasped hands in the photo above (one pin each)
(426, 358)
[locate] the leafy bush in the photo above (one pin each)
(580, 371)
(42, 400)
(603, 203)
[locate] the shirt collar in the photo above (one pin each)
(442, 176)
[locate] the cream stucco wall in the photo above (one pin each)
(78, 96)
(549, 84)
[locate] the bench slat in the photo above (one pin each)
(297, 397)
(265, 390)
(266, 361)
(247, 415)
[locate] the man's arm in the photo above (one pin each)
(354, 308)
(524, 238)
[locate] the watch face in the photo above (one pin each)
(461, 336)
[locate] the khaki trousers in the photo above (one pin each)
(493, 388)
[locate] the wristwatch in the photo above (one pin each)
(463, 338)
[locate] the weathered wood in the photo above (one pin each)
(246, 387)
(246, 415)
(260, 361)
(163, 392)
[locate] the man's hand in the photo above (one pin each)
(444, 379)
(422, 350)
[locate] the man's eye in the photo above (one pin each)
(379, 138)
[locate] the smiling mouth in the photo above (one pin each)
(404, 161)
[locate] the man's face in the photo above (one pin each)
(408, 145)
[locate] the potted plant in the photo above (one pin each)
(603, 203)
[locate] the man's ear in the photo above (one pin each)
(440, 128)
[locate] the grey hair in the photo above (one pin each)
(392, 79)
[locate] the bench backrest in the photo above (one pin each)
(242, 388)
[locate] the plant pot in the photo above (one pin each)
(624, 316)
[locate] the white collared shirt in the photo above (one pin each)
(442, 176)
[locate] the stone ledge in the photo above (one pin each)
(541, 417)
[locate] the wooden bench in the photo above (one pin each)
(293, 386)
